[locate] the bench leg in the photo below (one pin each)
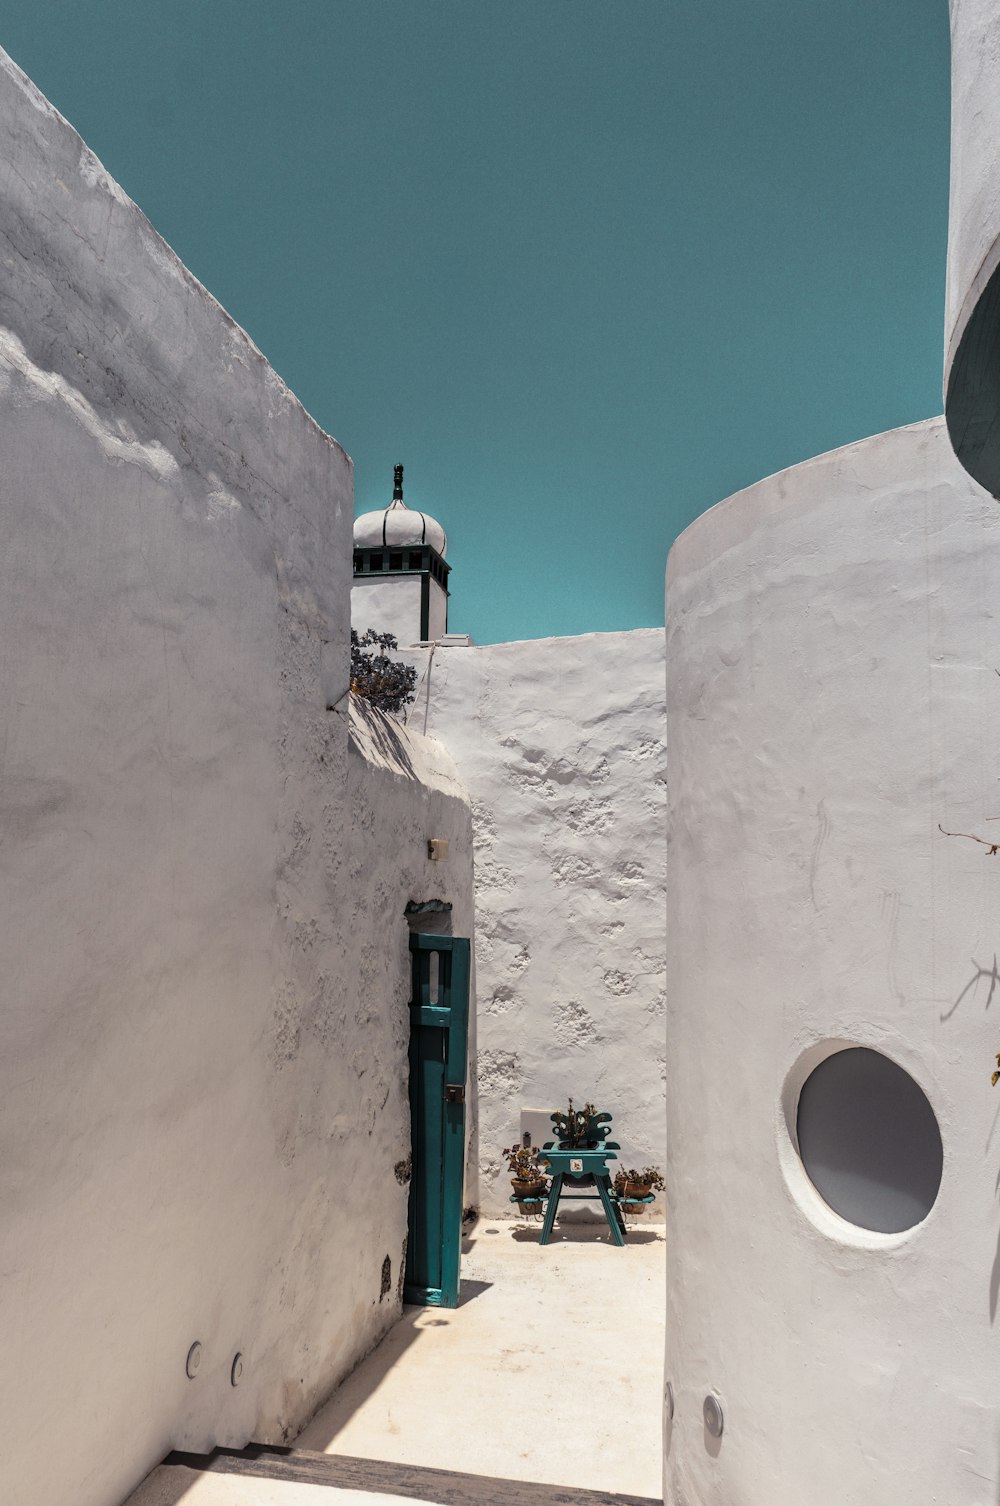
(611, 1211)
(550, 1208)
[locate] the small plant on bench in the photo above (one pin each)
(582, 1129)
(631, 1183)
(527, 1171)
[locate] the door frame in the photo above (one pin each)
(451, 1014)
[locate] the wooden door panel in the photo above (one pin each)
(439, 1012)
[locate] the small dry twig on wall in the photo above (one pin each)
(991, 849)
(992, 846)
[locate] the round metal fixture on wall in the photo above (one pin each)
(236, 1374)
(712, 1411)
(193, 1362)
(668, 1402)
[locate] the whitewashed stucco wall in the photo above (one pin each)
(561, 743)
(203, 949)
(403, 788)
(833, 640)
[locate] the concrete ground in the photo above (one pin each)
(550, 1370)
(170, 1486)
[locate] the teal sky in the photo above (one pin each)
(584, 266)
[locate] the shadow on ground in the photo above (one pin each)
(257, 1472)
(580, 1234)
(370, 1373)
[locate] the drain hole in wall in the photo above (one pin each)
(869, 1140)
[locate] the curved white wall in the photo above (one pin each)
(833, 642)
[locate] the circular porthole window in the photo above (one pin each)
(869, 1140)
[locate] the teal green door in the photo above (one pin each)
(439, 1030)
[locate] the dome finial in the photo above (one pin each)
(397, 524)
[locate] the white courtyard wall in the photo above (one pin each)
(403, 790)
(833, 699)
(561, 743)
(202, 1075)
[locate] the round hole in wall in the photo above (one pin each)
(869, 1140)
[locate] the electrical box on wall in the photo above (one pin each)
(437, 849)
(536, 1127)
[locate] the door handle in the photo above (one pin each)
(454, 1092)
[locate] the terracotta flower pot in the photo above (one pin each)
(528, 1189)
(637, 1189)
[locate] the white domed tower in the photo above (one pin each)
(400, 575)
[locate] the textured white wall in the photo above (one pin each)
(403, 789)
(561, 743)
(832, 697)
(202, 1038)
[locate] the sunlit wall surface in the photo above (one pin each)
(834, 1265)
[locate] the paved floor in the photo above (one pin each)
(550, 1370)
(182, 1487)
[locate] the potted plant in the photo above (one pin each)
(527, 1171)
(631, 1183)
(581, 1129)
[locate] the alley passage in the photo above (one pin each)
(550, 1371)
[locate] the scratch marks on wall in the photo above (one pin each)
(286, 1036)
(297, 850)
(890, 914)
(822, 833)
